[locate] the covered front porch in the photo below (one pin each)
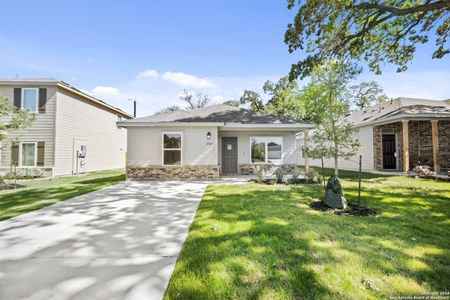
(404, 144)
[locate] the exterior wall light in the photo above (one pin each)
(208, 135)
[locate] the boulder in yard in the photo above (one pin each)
(334, 196)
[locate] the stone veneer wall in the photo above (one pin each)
(36, 172)
(444, 145)
(173, 172)
(247, 169)
(420, 144)
(378, 144)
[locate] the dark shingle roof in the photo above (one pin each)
(423, 110)
(216, 113)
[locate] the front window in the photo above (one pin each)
(172, 148)
(30, 99)
(266, 149)
(28, 155)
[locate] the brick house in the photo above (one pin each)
(399, 134)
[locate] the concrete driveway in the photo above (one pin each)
(120, 242)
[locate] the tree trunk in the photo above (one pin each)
(336, 171)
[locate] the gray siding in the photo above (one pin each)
(42, 128)
(80, 122)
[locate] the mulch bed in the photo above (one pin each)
(352, 209)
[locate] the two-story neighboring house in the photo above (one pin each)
(73, 131)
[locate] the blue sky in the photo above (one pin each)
(152, 50)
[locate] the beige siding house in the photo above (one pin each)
(399, 134)
(73, 132)
(210, 141)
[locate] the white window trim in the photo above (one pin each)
(37, 98)
(171, 149)
(266, 154)
(35, 154)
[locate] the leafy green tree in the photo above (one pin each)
(375, 31)
(332, 136)
(284, 99)
(254, 100)
(367, 94)
(12, 118)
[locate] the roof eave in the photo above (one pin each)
(168, 124)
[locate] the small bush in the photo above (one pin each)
(312, 175)
(259, 172)
(279, 174)
(295, 174)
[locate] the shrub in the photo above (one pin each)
(260, 173)
(312, 175)
(295, 174)
(279, 174)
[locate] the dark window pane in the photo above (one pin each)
(172, 140)
(258, 151)
(172, 157)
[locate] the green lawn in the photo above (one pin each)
(39, 193)
(264, 242)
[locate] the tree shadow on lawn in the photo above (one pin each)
(22, 201)
(269, 243)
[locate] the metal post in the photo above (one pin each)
(323, 175)
(134, 112)
(359, 181)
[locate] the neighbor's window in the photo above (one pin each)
(28, 154)
(30, 99)
(119, 118)
(172, 148)
(266, 149)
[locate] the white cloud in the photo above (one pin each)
(187, 80)
(105, 90)
(147, 74)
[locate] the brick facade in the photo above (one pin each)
(420, 144)
(172, 172)
(247, 169)
(395, 128)
(444, 145)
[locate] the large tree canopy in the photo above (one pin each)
(374, 31)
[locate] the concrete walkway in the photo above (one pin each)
(120, 242)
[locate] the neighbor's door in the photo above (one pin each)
(229, 155)
(389, 152)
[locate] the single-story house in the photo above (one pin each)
(73, 132)
(399, 134)
(209, 141)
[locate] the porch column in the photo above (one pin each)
(405, 139)
(305, 146)
(435, 143)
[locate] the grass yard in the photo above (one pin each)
(39, 193)
(264, 242)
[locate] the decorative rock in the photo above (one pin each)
(334, 196)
